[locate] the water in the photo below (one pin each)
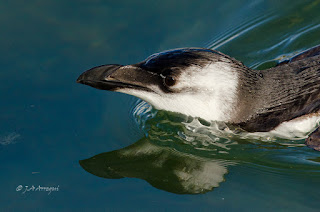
(59, 134)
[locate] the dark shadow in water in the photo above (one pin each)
(163, 167)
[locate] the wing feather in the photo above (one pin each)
(286, 92)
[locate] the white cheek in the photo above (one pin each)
(214, 76)
(213, 91)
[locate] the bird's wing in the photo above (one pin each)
(286, 92)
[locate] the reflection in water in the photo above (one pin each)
(183, 155)
(168, 157)
(162, 167)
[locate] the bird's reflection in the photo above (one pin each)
(177, 154)
(163, 167)
(185, 156)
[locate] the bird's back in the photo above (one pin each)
(286, 92)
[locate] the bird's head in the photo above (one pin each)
(193, 81)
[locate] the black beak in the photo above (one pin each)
(97, 77)
(113, 77)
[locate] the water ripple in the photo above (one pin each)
(290, 38)
(237, 31)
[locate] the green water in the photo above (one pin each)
(101, 150)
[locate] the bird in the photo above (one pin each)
(213, 86)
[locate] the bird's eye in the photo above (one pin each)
(169, 80)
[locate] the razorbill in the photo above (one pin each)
(213, 86)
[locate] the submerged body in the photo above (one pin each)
(284, 100)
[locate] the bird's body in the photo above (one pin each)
(283, 100)
(283, 93)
